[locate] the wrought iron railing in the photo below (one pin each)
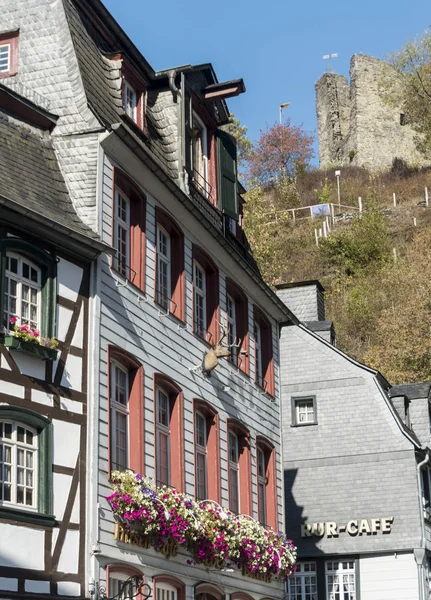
(202, 185)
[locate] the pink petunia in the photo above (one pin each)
(13, 320)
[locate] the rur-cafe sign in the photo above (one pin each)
(353, 527)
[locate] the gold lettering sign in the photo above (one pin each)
(169, 548)
(266, 577)
(353, 527)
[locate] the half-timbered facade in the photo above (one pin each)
(45, 257)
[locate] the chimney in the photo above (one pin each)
(306, 299)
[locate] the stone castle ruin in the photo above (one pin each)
(356, 124)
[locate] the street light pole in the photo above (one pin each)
(285, 105)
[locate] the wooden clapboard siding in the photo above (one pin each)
(133, 322)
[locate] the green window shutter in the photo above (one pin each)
(227, 184)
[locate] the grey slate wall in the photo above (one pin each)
(355, 463)
(305, 300)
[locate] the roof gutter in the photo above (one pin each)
(133, 142)
(79, 243)
(421, 554)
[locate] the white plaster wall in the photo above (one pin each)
(25, 547)
(66, 443)
(69, 278)
(389, 577)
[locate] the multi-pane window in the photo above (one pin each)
(22, 291)
(304, 411)
(130, 101)
(261, 484)
(303, 583)
(199, 307)
(340, 580)
(18, 465)
(122, 232)
(118, 590)
(165, 591)
(119, 392)
(4, 58)
(201, 455)
(162, 437)
(231, 328)
(200, 155)
(258, 353)
(233, 475)
(163, 268)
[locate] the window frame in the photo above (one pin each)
(201, 451)
(48, 266)
(10, 39)
(163, 429)
(233, 473)
(203, 178)
(244, 465)
(270, 481)
(199, 292)
(176, 271)
(264, 375)
(296, 400)
(163, 298)
(119, 408)
(240, 359)
(123, 572)
(134, 272)
(135, 451)
(302, 574)
(210, 414)
(176, 429)
(339, 573)
(43, 511)
(135, 82)
(124, 226)
(211, 296)
(20, 282)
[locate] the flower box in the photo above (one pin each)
(32, 348)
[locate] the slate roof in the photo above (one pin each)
(30, 176)
(102, 83)
(319, 325)
(411, 390)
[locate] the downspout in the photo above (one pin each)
(419, 466)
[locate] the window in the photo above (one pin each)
(233, 475)
(304, 411)
(263, 353)
(116, 575)
(426, 496)
(205, 297)
(8, 54)
(200, 156)
(134, 95)
(164, 591)
(163, 284)
(200, 456)
(126, 411)
(130, 100)
(200, 298)
(207, 452)
(122, 231)
(129, 215)
(266, 483)
(169, 293)
(25, 461)
(162, 433)
(22, 291)
(340, 580)
(28, 276)
(237, 326)
(167, 587)
(302, 585)
(169, 433)
(119, 416)
(239, 482)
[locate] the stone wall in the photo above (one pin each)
(357, 125)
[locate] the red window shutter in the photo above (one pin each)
(136, 423)
(177, 276)
(245, 475)
(213, 460)
(137, 241)
(177, 443)
(271, 492)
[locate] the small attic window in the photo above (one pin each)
(134, 94)
(8, 54)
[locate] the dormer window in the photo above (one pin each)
(200, 156)
(133, 94)
(130, 101)
(8, 54)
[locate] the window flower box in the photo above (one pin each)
(161, 517)
(32, 348)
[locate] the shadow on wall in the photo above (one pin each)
(294, 519)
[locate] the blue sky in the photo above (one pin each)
(275, 46)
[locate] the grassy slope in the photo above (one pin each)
(382, 310)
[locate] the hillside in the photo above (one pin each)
(376, 268)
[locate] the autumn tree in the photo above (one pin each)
(282, 150)
(244, 147)
(413, 92)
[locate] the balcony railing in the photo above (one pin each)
(202, 185)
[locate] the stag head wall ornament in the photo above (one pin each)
(218, 350)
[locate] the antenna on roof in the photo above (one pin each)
(330, 57)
